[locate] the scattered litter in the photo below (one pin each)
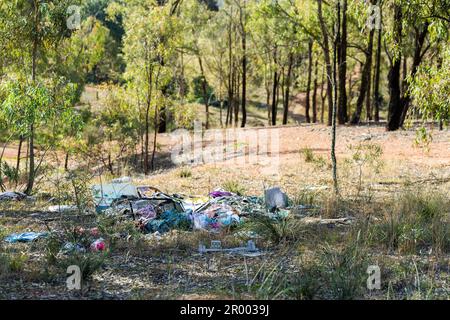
(62, 208)
(220, 193)
(147, 212)
(216, 246)
(275, 199)
(191, 202)
(94, 232)
(164, 202)
(69, 248)
(122, 180)
(87, 239)
(14, 196)
(146, 191)
(98, 245)
(247, 234)
(153, 236)
(106, 194)
(215, 217)
(167, 221)
(25, 237)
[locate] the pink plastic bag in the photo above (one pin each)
(98, 245)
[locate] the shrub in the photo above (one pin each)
(317, 160)
(275, 230)
(12, 262)
(344, 269)
(270, 281)
(308, 154)
(185, 173)
(89, 263)
(234, 187)
(306, 283)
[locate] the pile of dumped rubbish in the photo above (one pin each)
(156, 211)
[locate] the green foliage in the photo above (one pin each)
(36, 105)
(305, 197)
(275, 231)
(430, 88)
(367, 154)
(305, 285)
(185, 173)
(344, 269)
(234, 186)
(86, 55)
(308, 154)
(12, 262)
(197, 90)
(89, 263)
(317, 160)
(270, 282)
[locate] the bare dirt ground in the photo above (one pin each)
(402, 159)
(170, 266)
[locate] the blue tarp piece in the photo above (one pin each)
(169, 220)
(25, 237)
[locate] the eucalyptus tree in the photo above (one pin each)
(419, 19)
(152, 34)
(195, 18)
(33, 28)
(38, 107)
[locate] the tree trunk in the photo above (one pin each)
(342, 61)
(274, 89)
(376, 92)
(314, 97)
(204, 91)
(267, 87)
(66, 161)
(221, 102)
(154, 139)
(369, 96)
(236, 98)
(162, 126)
(365, 81)
(322, 97)
(244, 71)
(147, 118)
(418, 55)
(308, 84)
(326, 53)
(350, 92)
(334, 110)
(287, 89)
(404, 74)
(31, 173)
(19, 153)
(229, 118)
(146, 154)
(395, 101)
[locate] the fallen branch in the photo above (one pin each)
(320, 221)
